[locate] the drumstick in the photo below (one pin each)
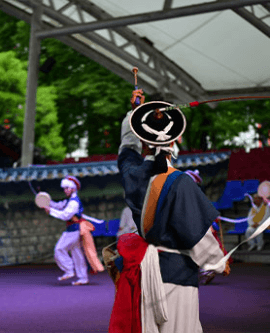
(135, 71)
(158, 114)
(32, 188)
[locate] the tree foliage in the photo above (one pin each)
(13, 77)
(90, 99)
(217, 127)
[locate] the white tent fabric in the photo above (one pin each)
(220, 50)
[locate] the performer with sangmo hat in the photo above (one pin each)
(157, 291)
(70, 210)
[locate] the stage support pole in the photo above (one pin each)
(32, 84)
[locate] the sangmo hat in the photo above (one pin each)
(156, 125)
(72, 182)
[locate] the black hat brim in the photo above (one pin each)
(175, 115)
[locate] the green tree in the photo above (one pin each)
(219, 126)
(13, 76)
(93, 109)
(90, 99)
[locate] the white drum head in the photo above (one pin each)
(43, 199)
(264, 189)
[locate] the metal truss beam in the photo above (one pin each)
(83, 49)
(161, 64)
(254, 20)
(208, 7)
(256, 91)
(182, 88)
(167, 4)
(267, 6)
(154, 64)
(14, 11)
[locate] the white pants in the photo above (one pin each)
(258, 241)
(70, 241)
(183, 310)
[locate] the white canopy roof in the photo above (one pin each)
(184, 49)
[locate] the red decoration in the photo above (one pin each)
(193, 104)
(126, 313)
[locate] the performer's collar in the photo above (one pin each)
(73, 195)
(152, 158)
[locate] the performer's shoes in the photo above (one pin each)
(80, 282)
(65, 277)
(93, 272)
(259, 248)
(251, 247)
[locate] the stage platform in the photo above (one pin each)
(33, 301)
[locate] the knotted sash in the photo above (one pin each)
(89, 245)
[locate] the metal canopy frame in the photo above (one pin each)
(158, 74)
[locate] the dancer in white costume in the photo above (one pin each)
(66, 210)
(258, 214)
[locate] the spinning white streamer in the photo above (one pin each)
(258, 231)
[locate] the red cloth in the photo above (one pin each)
(126, 312)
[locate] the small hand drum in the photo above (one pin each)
(42, 199)
(264, 189)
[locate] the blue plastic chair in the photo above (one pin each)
(251, 185)
(100, 229)
(235, 190)
(239, 229)
(224, 202)
(113, 227)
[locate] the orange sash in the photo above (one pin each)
(89, 245)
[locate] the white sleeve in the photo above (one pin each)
(207, 251)
(123, 221)
(66, 214)
(58, 205)
(128, 138)
(127, 224)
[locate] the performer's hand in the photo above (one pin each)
(47, 210)
(227, 269)
(135, 94)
